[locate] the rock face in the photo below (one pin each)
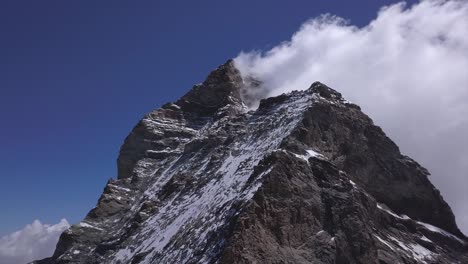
(305, 178)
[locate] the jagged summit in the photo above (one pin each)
(305, 178)
(222, 87)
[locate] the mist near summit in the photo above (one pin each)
(408, 69)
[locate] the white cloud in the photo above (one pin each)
(34, 241)
(408, 69)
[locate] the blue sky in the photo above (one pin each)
(76, 76)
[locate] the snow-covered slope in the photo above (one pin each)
(206, 180)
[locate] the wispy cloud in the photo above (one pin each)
(408, 69)
(34, 241)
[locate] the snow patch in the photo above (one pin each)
(440, 231)
(313, 153)
(385, 242)
(175, 106)
(86, 225)
(424, 238)
(403, 217)
(119, 188)
(309, 154)
(417, 251)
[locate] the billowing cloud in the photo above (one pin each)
(408, 69)
(34, 241)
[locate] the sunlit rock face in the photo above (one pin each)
(304, 178)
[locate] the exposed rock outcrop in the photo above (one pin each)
(305, 178)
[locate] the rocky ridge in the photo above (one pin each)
(305, 178)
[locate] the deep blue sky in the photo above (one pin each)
(76, 76)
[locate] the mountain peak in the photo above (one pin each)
(305, 178)
(222, 87)
(324, 91)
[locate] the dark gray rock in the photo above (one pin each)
(352, 142)
(305, 178)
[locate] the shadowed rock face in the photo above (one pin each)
(305, 178)
(355, 145)
(218, 95)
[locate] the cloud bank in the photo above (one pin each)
(408, 69)
(34, 241)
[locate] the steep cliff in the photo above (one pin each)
(305, 178)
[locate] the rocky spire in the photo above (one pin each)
(222, 87)
(219, 95)
(305, 178)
